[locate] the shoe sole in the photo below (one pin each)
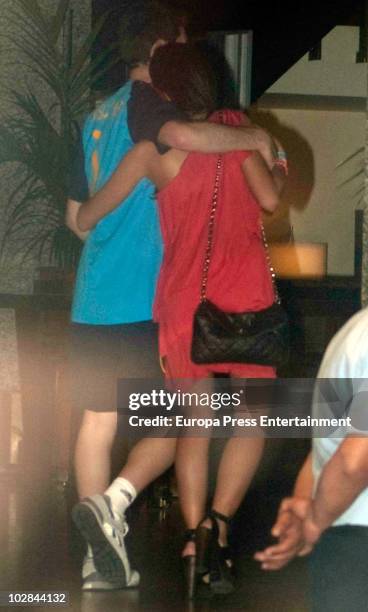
(101, 586)
(107, 561)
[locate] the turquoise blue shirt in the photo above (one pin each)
(121, 257)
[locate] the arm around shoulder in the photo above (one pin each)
(207, 137)
(264, 184)
(178, 135)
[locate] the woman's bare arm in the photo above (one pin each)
(265, 184)
(72, 208)
(130, 171)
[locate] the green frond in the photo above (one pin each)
(38, 245)
(66, 247)
(45, 27)
(359, 193)
(33, 10)
(58, 20)
(25, 184)
(33, 48)
(21, 210)
(22, 14)
(359, 173)
(12, 147)
(91, 73)
(30, 43)
(350, 157)
(38, 137)
(83, 54)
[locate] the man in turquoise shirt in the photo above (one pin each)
(113, 336)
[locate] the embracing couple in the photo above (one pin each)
(150, 167)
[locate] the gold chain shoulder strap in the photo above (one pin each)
(269, 263)
(211, 225)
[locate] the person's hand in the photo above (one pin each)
(278, 146)
(311, 532)
(281, 162)
(289, 530)
(267, 147)
(303, 508)
(72, 209)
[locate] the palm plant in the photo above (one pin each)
(356, 157)
(40, 132)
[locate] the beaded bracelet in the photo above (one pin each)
(281, 161)
(281, 154)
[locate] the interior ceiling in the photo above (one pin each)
(282, 32)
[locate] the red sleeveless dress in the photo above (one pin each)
(239, 278)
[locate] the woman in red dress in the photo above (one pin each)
(239, 280)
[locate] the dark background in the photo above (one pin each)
(282, 32)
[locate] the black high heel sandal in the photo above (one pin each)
(225, 550)
(204, 544)
(189, 562)
(213, 560)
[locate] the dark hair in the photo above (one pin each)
(143, 23)
(182, 72)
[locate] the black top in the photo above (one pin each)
(147, 113)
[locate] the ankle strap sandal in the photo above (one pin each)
(220, 517)
(190, 535)
(214, 563)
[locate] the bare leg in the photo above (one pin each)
(239, 462)
(192, 468)
(149, 458)
(238, 465)
(192, 476)
(93, 452)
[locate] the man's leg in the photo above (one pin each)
(93, 370)
(98, 516)
(139, 359)
(101, 517)
(148, 459)
(94, 357)
(134, 355)
(92, 459)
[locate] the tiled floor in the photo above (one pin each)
(40, 549)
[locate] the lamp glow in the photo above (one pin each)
(299, 259)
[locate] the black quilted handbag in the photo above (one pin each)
(259, 337)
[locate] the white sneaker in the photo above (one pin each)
(105, 531)
(94, 581)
